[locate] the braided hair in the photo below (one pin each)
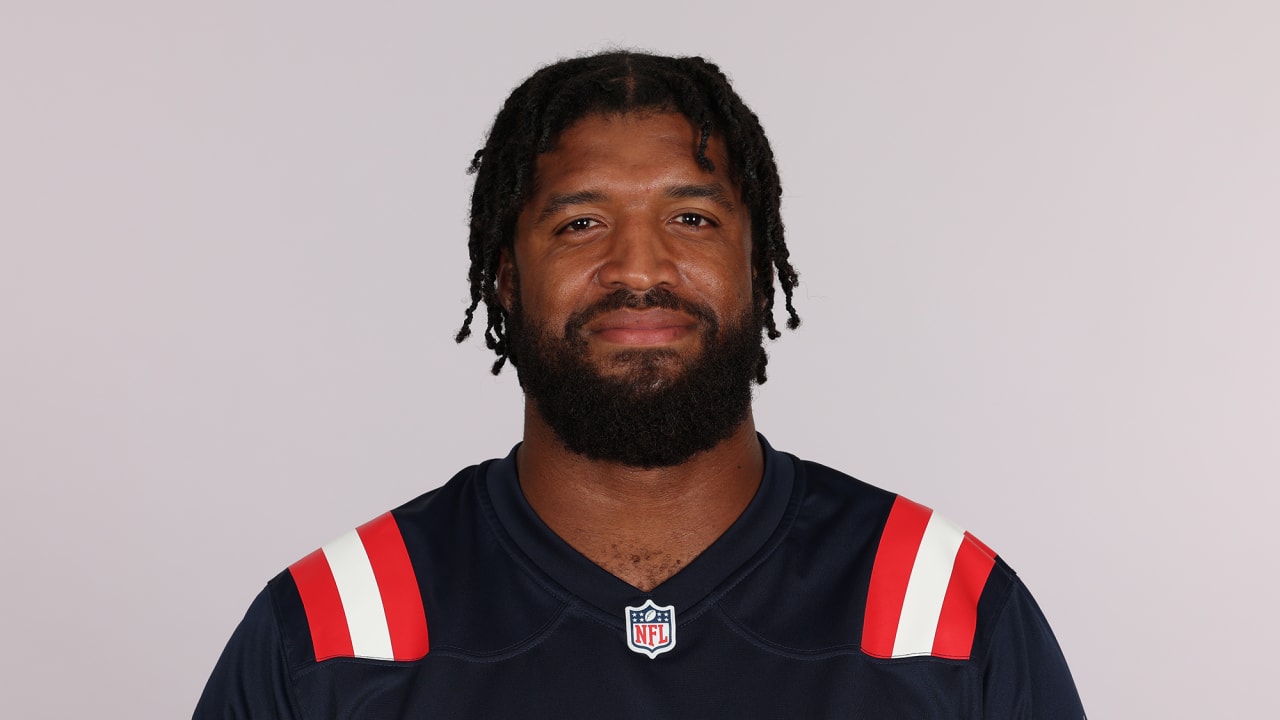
(558, 95)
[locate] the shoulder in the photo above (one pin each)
(918, 584)
(926, 585)
(883, 576)
(435, 575)
(357, 597)
(361, 595)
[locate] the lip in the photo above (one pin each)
(641, 327)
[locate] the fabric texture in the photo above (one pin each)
(786, 615)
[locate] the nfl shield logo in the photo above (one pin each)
(651, 629)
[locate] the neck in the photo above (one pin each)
(605, 510)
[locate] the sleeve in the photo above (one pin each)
(251, 679)
(1026, 675)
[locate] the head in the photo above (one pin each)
(595, 97)
(557, 96)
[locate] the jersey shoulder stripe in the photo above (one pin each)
(926, 580)
(361, 596)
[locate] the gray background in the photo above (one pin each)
(1037, 244)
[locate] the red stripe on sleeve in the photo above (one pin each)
(325, 617)
(398, 585)
(981, 546)
(959, 616)
(889, 575)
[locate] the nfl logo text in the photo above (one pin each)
(651, 629)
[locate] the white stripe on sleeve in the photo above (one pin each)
(927, 587)
(361, 600)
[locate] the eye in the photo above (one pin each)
(579, 224)
(694, 220)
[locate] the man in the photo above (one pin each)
(643, 552)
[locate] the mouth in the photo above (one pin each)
(641, 328)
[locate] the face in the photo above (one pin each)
(621, 205)
(629, 292)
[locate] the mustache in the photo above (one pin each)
(656, 297)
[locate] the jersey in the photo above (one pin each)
(826, 598)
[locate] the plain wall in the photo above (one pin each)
(1037, 243)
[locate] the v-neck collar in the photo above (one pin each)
(597, 587)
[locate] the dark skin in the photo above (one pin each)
(621, 203)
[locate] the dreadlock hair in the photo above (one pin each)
(615, 83)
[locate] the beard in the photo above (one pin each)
(656, 408)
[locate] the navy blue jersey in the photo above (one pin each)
(827, 598)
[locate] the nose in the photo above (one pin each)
(639, 257)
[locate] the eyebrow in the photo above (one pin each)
(558, 202)
(711, 191)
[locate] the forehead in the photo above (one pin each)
(639, 147)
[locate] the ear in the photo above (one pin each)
(506, 279)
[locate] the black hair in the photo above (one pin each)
(560, 94)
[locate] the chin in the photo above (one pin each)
(651, 368)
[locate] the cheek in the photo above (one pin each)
(551, 291)
(732, 279)
(727, 292)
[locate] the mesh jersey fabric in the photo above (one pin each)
(768, 622)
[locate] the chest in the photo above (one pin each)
(579, 668)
